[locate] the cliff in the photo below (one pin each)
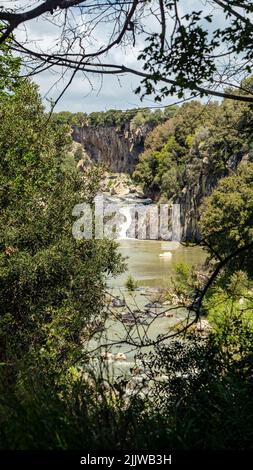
(119, 150)
(198, 188)
(117, 147)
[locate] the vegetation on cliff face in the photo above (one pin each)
(211, 135)
(227, 218)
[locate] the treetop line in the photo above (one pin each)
(180, 51)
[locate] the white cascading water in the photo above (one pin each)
(124, 226)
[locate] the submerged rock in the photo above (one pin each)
(117, 302)
(106, 356)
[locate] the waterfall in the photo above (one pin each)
(124, 226)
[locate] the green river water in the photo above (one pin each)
(150, 269)
(152, 272)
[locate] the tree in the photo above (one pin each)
(52, 287)
(9, 69)
(131, 284)
(227, 221)
(184, 50)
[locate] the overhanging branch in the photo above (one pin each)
(116, 69)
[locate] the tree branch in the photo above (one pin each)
(163, 22)
(225, 6)
(15, 19)
(114, 69)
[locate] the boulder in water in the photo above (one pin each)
(117, 302)
(106, 356)
(167, 254)
(169, 314)
(157, 305)
(149, 305)
(120, 357)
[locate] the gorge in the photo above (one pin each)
(177, 157)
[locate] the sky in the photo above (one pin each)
(93, 93)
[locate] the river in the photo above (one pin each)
(148, 264)
(153, 272)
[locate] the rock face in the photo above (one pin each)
(196, 189)
(117, 148)
(121, 184)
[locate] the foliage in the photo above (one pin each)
(198, 139)
(131, 284)
(115, 118)
(184, 279)
(203, 382)
(168, 149)
(183, 46)
(226, 221)
(189, 59)
(51, 286)
(9, 69)
(191, 382)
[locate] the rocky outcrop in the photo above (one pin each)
(117, 148)
(121, 185)
(199, 186)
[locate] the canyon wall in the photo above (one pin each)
(117, 148)
(198, 188)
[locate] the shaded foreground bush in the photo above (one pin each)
(200, 396)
